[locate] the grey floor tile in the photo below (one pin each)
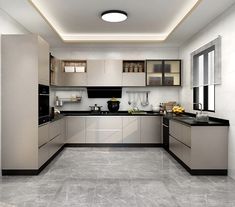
(116, 177)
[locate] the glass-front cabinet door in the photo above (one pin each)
(163, 72)
(154, 73)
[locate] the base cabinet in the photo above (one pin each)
(103, 130)
(75, 129)
(116, 130)
(150, 129)
(200, 147)
(131, 129)
(55, 132)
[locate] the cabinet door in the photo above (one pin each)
(74, 79)
(172, 73)
(133, 79)
(43, 154)
(150, 130)
(176, 147)
(75, 129)
(113, 72)
(43, 61)
(96, 73)
(63, 129)
(103, 130)
(54, 129)
(131, 129)
(43, 134)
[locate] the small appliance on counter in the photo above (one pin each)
(113, 105)
(95, 108)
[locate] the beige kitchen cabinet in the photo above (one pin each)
(74, 78)
(105, 129)
(55, 133)
(43, 61)
(131, 129)
(199, 147)
(75, 129)
(133, 79)
(150, 129)
(43, 134)
(56, 73)
(104, 73)
(25, 64)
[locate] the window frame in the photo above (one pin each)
(215, 46)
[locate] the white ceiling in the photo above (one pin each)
(73, 19)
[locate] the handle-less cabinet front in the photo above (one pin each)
(43, 135)
(104, 73)
(150, 129)
(75, 129)
(104, 129)
(131, 129)
(43, 61)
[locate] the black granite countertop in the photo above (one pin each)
(57, 117)
(107, 113)
(189, 119)
(185, 118)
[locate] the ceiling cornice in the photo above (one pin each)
(138, 37)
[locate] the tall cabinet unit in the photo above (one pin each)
(21, 73)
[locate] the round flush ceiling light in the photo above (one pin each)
(114, 16)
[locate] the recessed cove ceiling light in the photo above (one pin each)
(114, 16)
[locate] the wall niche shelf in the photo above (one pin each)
(133, 66)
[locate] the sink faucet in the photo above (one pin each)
(200, 117)
(200, 106)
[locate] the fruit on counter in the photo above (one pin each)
(177, 109)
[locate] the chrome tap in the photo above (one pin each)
(200, 117)
(200, 106)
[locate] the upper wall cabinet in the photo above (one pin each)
(104, 73)
(74, 72)
(133, 73)
(56, 74)
(163, 72)
(43, 61)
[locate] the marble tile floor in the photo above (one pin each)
(116, 177)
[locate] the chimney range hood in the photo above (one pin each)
(104, 92)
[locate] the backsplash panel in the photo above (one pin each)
(156, 96)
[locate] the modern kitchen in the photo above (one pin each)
(109, 104)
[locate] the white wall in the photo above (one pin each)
(126, 52)
(8, 26)
(224, 93)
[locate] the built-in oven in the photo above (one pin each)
(43, 104)
(165, 129)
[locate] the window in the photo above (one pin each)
(205, 75)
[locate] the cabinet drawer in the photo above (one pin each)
(55, 145)
(43, 134)
(112, 136)
(186, 155)
(174, 146)
(103, 123)
(181, 132)
(43, 154)
(182, 151)
(54, 129)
